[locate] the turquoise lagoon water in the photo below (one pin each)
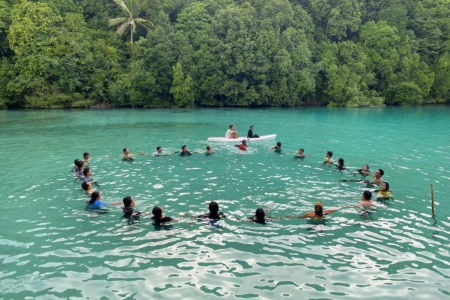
(52, 248)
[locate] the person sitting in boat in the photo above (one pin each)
(159, 151)
(328, 158)
(214, 213)
(384, 192)
(209, 150)
(250, 133)
(185, 151)
(243, 146)
(231, 132)
(318, 212)
(277, 148)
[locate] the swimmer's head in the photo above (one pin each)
(87, 172)
(365, 168)
(86, 185)
(86, 155)
(183, 147)
(379, 172)
(213, 208)
(128, 202)
(301, 150)
(278, 144)
(157, 212)
(260, 214)
(230, 127)
(244, 141)
(384, 186)
(367, 195)
(208, 148)
(95, 196)
(318, 208)
(80, 164)
(159, 149)
(330, 153)
(125, 150)
(340, 161)
(252, 127)
(75, 162)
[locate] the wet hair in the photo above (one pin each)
(367, 194)
(381, 172)
(330, 153)
(75, 162)
(127, 201)
(367, 167)
(125, 149)
(94, 197)
(341, 162)
(278, 144)
(260, 214)
(301, 149)
(157, 212)
(387, 185)
(251, 126)
(157, 148)
(244, 141)
(80, 164)
(318, 209)
(231, 126)
(85, 171)
(208, 147)
(85, 154)
(85, 185)
(213, 208)
(184, 146)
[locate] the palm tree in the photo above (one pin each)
(131, 9)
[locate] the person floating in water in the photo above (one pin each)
(300, 153)
(366, 202)
(277, 148)
(384, 192)
(185, 151)
(214, 213)
(328, 158)
(260, 217)
(364, 171)
(129, 156)
(378, 177)
(231, 132)
(128, 208)
(159, 151)
(88, 175)
(79, 169)
(242, 146)
(340, 164)
(318, 212)
(75, 165)
(87, 187)
(250, 133)
(209, 150)
(86, 158)
(96, 203)
(159, 218)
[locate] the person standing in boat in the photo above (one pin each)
(231, 132)
(250, 133)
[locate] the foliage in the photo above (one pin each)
(347, 53)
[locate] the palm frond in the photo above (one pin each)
(123, 6)
(121, 29)
(112, 22)
(143, 22)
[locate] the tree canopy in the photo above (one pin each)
(350, 53)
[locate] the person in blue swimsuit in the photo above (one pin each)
(96, 203)
(277, 148)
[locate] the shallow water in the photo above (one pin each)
(52, 248)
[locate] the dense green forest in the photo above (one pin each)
(188, 53)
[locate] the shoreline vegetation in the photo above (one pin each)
(223, 53)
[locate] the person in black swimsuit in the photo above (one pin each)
(159, 218)
(260, 217)
(214, 213)
(250, 133)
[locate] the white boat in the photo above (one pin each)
(238, 140)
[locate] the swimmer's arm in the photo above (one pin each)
(115, 203)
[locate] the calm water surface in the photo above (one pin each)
(50, 247)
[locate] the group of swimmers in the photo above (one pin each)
(84, 173)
